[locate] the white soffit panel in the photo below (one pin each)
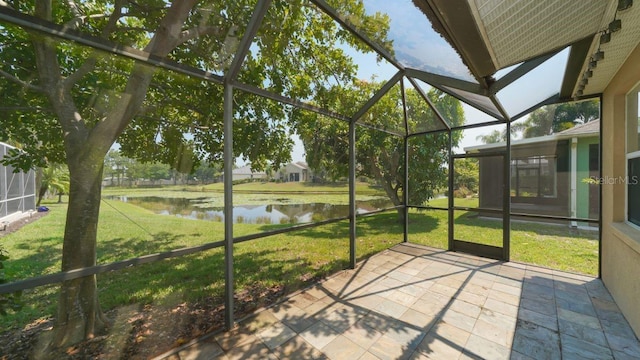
(616, 51)
(521, 30)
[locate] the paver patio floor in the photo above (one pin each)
(415, 302)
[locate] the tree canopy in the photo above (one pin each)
(380, 154)
(67, 103)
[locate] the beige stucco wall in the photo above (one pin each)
(620, 242)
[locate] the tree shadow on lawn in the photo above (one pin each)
(119, 248)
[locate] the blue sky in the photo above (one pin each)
(426, 50)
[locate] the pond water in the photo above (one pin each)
(251, 214)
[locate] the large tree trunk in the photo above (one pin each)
(79, 315)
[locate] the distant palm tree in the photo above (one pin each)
(55, 178)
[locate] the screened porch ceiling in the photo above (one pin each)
(511, 56)
(503, 57)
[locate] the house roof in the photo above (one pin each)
(592, 128)
(246, 170)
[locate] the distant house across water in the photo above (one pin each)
(295, 172)
(245, 173)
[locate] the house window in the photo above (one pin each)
(633, 157)
(534, 176)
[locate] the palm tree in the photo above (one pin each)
(54, 178)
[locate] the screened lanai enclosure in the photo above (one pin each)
(439, 123)
(17, 190)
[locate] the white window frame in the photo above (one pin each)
(633, 95)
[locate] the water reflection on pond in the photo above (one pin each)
(251, 214)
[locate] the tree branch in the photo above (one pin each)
(20, 82)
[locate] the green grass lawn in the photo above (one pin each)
(125, 231)
(549, 245)
(288, 261)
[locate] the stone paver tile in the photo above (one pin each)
(418, 319)
(481, 290)
(275, 335)
(284, 309)
(486, 349)
(366, 301)
(466, 308)
(597, 290)
(444, 341)
(481, 282)
(451, 282)
(402, 298)
(612, 316)
(391, 308)
(410, 269)
(505, 298)
(604, 305)
(585, 333)
(298, 348)
(505, 322)
(444, 289)
(578, 318)
(319, 335)
(542, 306)
(576, 306)
(235, 337)
(300, 322)
(472, 298)
(550, 322)
(535, 291)
(494, 333)
(368, 356)
(501, 307)
(624, 345)
(413, 290)
(459, 320)
(570, 287)
(582, 298)
(303, 300)
(343, 348)
(421, 282)
(400, 276)
(621, 329)
(515, 355)
(405, 335)
(258, 321)
(342, 319)
(510, 282)
(432, 296)
(200, 351)
(386, 348)
(377, 321)
(317, 292)
(363, 336)
(618, 355)
(573, 348)
(254, 350)
(536, 341)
